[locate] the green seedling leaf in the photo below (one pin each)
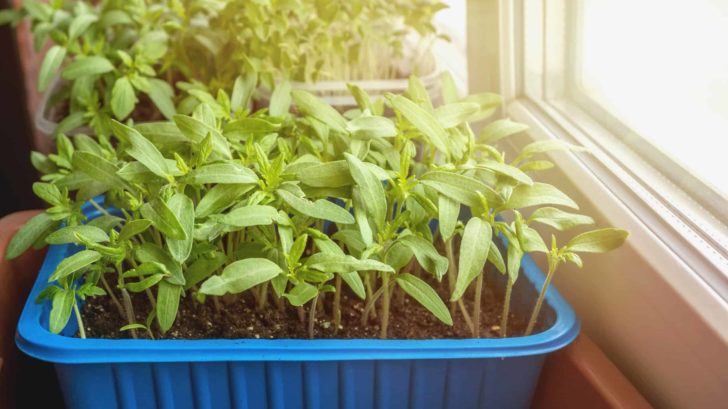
(500, 129)
(474, 250)
(219, 198)
(448, 213)
(87, 66)
(506, 170)
(98, 168)
(454, 114)
(425, 295)
(370, 187)
(241, 128)
(162, 133)
(301, 293)
(351, 278)
(361, 97)
(536, 165)
(148, 282)
(146, 269)
(203, 267)
(336, 263)
(297, 249)
(252, 215)
(49, 193)
(74, 263)
(223, 173)
(531, 241)
(80, 24)
(461, 188)
(197, 130)
(167, 304)
(184, 209)
(152, 253)
(367, 127)
(161, 94)
(450, 92)
(240, 276)
(123, 98)
(243, 89)
(515, 255)
(574, 258)
(558, 219)
(312, 106)
(63, 302)
(327, 174)
(70, 234)
(51, 62)
(133, 326)
(536, 195)
(496, 258)
(134, 227)
(423, 121)
(142, 149)
(105, 222)
(164, 219)
(598, 241)
(426, 255)
(29, 233)
(280, 100)
(547, 145)
(320, 209)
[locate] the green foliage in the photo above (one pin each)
(292, 205)
(152, 60)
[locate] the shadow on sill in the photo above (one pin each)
(581, 376)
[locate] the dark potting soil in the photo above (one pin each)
(236, 317)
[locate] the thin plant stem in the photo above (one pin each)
(301, 314)
(384, 319)
(466, 316)
(129, 308)
(81, 329)
(370, 296)
(452, 271)
(337, 303)
(263, 298)
(370, 304)
(399, 297)
(114, 299)
(506, 309)
(216, 303)
(312, 316)
(539, 301)
(150, 296)
(99, 208)
(477, 305)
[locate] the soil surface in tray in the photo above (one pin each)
(237, 317)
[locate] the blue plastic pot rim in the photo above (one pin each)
(38, 342)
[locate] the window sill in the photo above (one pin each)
(649, 308)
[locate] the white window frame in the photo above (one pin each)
(537, 83)
(678, 241)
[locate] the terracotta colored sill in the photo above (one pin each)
(581, 376)
(16, 279)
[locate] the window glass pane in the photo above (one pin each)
(661, 68)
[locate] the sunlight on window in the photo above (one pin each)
(662, 68)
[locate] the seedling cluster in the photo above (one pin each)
(292, 201)
(150, 60)
(205, 196)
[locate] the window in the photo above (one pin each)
(655, 70)
(645, 86)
